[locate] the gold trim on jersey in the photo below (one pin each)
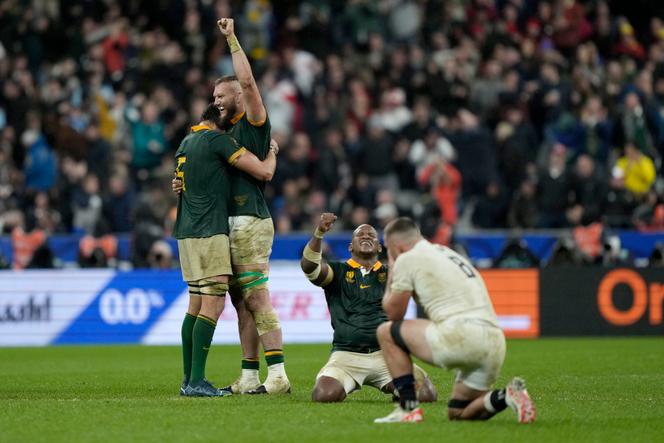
(236, 155)
(197, 128)
(353, 264)
(258, 123)
(237, 118)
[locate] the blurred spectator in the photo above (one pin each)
(160, 256)
(475, 153)
(40, 161)
(523, 211)
(491, 208)
(25, 244)
(119, 204)
(516, 254)
(148, 139)
(589, 187)
(444, 182)
(634, 172)
(99, 248)
(553, 189)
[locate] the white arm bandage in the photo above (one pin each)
(314, 257)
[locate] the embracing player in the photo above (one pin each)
(462, 332)
(251, 228)
(204, 161)
(354, 290)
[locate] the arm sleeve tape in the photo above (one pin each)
(311, 255)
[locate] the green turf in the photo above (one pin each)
(585, 389)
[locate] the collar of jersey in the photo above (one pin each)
(200, 128)
(353, 264)
(237, 118)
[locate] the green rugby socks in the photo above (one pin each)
(202, 338)
(274, 356)
(187, 344)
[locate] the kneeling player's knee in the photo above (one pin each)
(327, 393)
(427, 392)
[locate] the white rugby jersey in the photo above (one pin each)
(443, 282)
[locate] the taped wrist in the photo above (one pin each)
(318, 233)
(233, 43)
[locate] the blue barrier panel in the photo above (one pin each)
(289, 246)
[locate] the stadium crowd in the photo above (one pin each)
(463, 114)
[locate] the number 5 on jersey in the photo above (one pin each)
(179, 173)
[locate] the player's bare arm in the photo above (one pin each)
(252, 165)
(316, 269)
(253, 103)
(395, 303)
(176, 183)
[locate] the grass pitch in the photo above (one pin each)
(585, 389)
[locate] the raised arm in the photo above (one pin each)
(314, 267)
(253, 103)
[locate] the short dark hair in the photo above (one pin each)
(225, 79)
(211, 113)
(401, 225)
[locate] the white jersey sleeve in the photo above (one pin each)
(443, 282)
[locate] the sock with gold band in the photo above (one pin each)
(202, 338)
(251, 363)
(274, 356)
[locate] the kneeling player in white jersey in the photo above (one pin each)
(462, 332)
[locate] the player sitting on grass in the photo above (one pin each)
(354, 290)
(462, 332)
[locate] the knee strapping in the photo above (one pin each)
(250, 282)
(395, 331)
(266, 321)
(212, 287)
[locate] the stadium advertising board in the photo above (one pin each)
(600, 301)
(74, 307)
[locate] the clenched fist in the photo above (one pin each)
(327, 219)
(226, 26)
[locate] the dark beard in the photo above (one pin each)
(224, 123)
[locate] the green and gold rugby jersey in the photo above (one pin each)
(355, 303)
(246, 192)
(204, 159)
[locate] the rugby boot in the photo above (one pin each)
(242, 385)
(278, 384)
(517, 398)
(204, 388)
(401, 415)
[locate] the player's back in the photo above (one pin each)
(247, 192)
(445, 284)
(202, 166)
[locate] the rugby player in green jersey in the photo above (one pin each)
(204, 160)
(251, 228)
(354, 292)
